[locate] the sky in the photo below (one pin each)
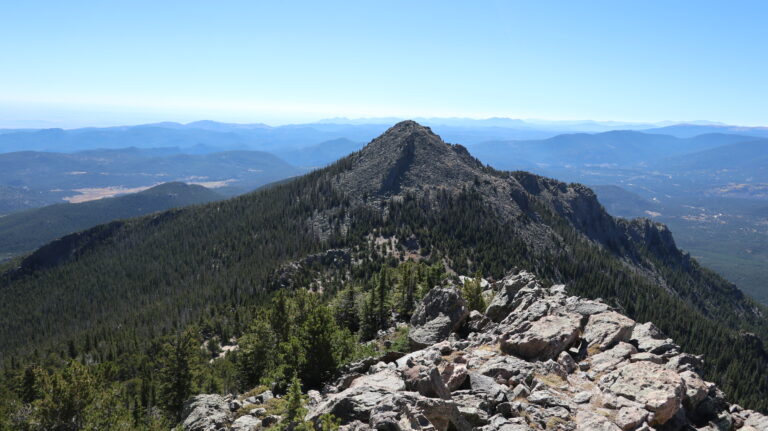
(96, 63)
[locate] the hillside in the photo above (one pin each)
(27, 230)
(115, 288)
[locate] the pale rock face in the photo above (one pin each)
(350, 404)
(649, 338)
(630, 418)
(441, 312)
(206, 413)
(611, 358)
(385, 379)
(606, 329)
(544, 338)
(588, 421)
(503, 302)
(246, 423)
(454, 375)
(696, 389)
(660, 390)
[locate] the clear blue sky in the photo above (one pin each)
(106, 62)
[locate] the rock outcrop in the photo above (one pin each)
(553, 362)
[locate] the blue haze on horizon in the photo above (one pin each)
(78, 63)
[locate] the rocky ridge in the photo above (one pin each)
(536, 359)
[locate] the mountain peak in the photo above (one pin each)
(407, 157)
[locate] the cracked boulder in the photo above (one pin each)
(659, 390)
(544, 338)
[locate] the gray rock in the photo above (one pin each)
(646, 356)
(441, 312)
(585, 307)
(454, 375)
(350, 404)
(567, 362)
(648, 338)
(606, 329)
(235, 405)
(544, 338)
(441, 301)
(504, 301)
(520, 391)
(582, 397)
(588, 421)
(487, 385)
(431, 332)
(506, 367)
(206, 413)
(264, 397)
(477, 321)
(660, 390)
(630, 418)
(389, 380)
(246, 423)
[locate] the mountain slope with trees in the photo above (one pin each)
(27, 230)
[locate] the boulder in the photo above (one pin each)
(477, 321)
(454, 375)
(611, 358)
(567, 362)
(648, 338)
(606, 329)
(246, 423)
(481, 384)
(659, 390)
(264, 397)
(431, 332)
(696, 389)
(206, 413)
(585, 307)
(441, 312)
(504, 301)
(441, 414)
(350, 404)
(387, 379)
(630, 418)
(441, 301)
(588, 421)
(544, 338)
(756, 420)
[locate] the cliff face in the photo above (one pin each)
(536, 359)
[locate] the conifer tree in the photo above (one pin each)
(472, 291)
(177, 365)
(258, 348)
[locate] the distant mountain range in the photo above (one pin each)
(36, 178)
(27, 230)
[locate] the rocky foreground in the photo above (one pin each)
(537, 359)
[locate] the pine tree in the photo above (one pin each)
(176, 372)
(368, 318)
(64, 397)
(381, 294)
(258, 348)
(472, 291)
(319, 334)
(293, 418)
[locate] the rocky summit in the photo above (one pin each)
(536, 359)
